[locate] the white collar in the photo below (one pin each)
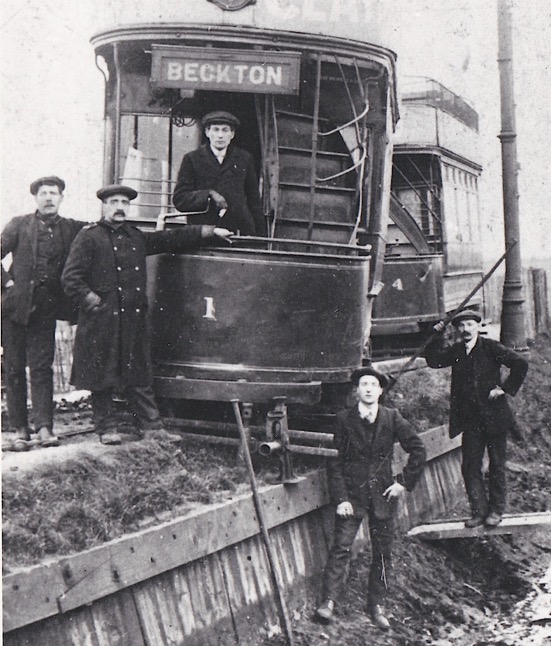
(470, 345)
(369, 412)
(219, 154)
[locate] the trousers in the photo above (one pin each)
(381, 532)
(30, 345)
(141, 402)
(473, 447)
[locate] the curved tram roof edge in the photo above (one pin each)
(230, 34)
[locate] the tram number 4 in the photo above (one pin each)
(397, 284)
(210, 311)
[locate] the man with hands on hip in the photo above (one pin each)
(361, 484)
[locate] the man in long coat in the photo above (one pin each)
(479, 409)
(106, 274)
(32, 301)
(220, 177)
(361, 482)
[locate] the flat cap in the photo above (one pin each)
(466, 315)
(369, 370)
(117, 189)
(50, 180)
(220, 117)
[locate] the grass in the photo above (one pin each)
(73, 505)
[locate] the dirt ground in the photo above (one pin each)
(462, 592)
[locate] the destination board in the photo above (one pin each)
(233, 70)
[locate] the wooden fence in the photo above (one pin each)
(203, 579)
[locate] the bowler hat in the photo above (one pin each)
(220, 117)
(368, 370)
(51, 180)
(466, 315)
(117, 189)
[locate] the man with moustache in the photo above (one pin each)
(479, 409)
(106, 274)
(361, 483)
(32, 302)
(220, 177)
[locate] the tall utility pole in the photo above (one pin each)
(513, 333)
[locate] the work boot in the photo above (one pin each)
(493, 519)
(111, 438)
(378, 617)
(21, 441)
(476, 521)
(46, 438)
(161, 435)
(325, 611)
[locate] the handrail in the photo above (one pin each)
(162, 217)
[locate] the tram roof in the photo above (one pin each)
(359, 20)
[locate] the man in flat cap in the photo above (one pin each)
(32, 301)
(221, 177)
(361, 483)
(479, 409)
(106, 274)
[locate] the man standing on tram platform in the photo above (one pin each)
(220, 177)
(32, 301)
(106, 275)
(479, 409)
(361, 484)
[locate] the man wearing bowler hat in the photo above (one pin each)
(361, 483)
(32, 301)
(220, 178)
(479, 409)
(106, 274)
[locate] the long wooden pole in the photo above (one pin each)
(448, 318)
(282, 606)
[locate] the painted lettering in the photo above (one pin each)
(207, 73)
(190, 72)
(223, 73)
(256, 74)
(210, 313)
(241, 72)
(173, 71)
(274, 75)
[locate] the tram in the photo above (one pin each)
(286, 315)
(433, 256)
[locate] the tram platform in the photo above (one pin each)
(511, 524)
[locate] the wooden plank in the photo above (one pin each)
(44, 590)
(511, 524)
(437, 442)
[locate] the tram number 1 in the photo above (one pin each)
(210, 312)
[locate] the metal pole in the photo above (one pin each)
(447, 319)
(284, 614)
(513, 332)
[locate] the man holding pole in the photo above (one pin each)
(479, 409)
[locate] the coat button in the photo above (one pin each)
(120, 289)
(138, 289)
(119, 268)
(122, 309)
(115, 248)
(137, 268)
(138, 309)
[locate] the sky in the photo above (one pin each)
(51, 95)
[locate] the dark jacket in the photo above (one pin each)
(473, 377)
(112, 343)
(363, 469)
(235, 179)
(20, 238)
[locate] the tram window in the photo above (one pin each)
(151, 151)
